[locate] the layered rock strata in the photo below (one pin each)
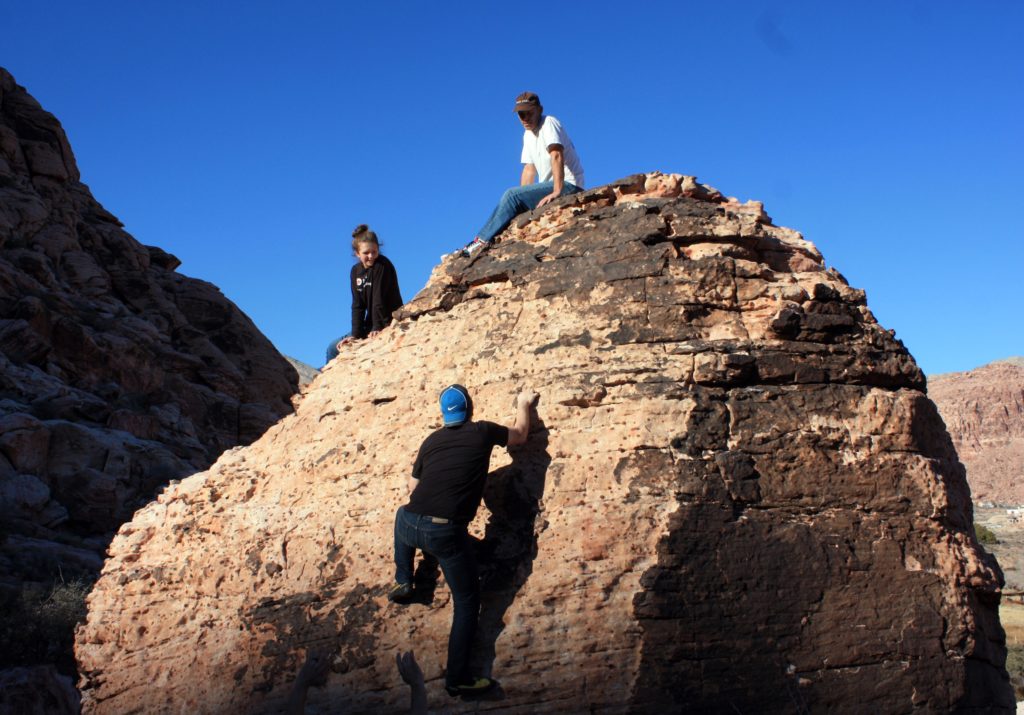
(117, 374)
(736, 497)
(984, 413)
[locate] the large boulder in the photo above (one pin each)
(736, 497)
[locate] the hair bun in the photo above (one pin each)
(360, 229)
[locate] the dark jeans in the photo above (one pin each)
(450, 545)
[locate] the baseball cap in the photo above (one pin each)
(455, 405)
(526, 100)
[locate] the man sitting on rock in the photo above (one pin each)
(549, 157)
(446, 486)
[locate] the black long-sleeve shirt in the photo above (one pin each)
(375, 296)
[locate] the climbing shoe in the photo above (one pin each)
(473, 246)
(478, 686)
(401, 593)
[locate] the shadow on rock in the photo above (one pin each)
(310, 621)
(513, 495)
(424, 580)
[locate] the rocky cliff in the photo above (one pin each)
(736, 497)
(984, 413)
(117, 374)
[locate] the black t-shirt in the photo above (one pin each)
(452, 468)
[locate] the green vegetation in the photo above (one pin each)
(1015, 667)
(985, 535)
(38, 628)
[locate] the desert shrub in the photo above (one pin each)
(39, 628)
(1015, 667)
(985, 535)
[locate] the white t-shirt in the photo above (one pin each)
(535, 151)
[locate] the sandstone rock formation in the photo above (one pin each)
(736, 497)
(117, 374)
(984, 413)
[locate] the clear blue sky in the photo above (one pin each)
(250, 138)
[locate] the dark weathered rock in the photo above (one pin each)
(37, 691)
(116, 373)
(737, 497)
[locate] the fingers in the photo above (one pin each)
(408, 668)
(406, 661)
(547, 199)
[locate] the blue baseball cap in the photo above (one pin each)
(456, 405)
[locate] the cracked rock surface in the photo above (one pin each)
(117, 374)
(736, 497)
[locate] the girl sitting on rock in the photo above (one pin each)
(375, 294)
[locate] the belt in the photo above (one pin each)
(431, 519)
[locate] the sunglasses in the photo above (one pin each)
(524, 114)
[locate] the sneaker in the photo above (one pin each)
(478, 686)
(400, 593)
(473, 246)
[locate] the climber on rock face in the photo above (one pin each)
(446, 487)
(548, 157)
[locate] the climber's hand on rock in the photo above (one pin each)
(547, 199)
(526, 398)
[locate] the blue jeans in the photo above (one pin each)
(517, 200)
(332, 348)
(450, 545)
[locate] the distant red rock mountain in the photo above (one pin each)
(984, 413)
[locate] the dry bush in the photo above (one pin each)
(38, 629)
(1015, 666)
(985, 535)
